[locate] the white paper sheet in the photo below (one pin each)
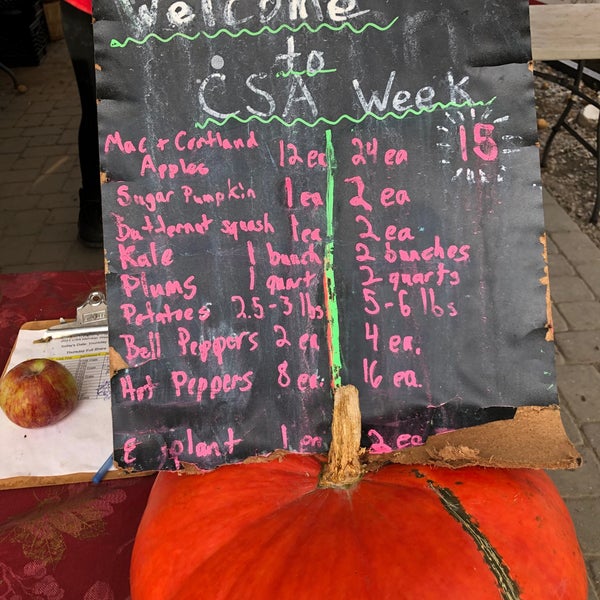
(82, 441)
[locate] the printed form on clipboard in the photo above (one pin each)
(74, 448)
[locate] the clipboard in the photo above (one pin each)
(75, 448)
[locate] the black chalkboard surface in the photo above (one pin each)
(306, 193)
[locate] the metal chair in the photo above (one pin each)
(577, 73)
(18, 86)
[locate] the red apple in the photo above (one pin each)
(38, 392)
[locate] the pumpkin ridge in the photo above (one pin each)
(453, 506)
(306, 466)
(282, 517)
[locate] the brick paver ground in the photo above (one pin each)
(39, 170)
(574, 282)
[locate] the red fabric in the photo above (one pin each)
(72, 541)
(84, 5)
(39, 296)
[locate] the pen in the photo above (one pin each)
(103, 470)
(52, 334)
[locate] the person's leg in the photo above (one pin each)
(77, 28)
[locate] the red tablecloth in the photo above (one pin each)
(39, 296)
(68, 542)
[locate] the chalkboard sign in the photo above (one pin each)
(303, 194)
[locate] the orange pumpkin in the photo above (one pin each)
(267, 531)
(300, 528)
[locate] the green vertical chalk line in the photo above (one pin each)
(331, 299)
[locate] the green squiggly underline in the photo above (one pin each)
(266, 29)
(389, 115)
(307, 73)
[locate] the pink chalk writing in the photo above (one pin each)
(136, 393)
(183, 141)
(289, 155)
(370, 151)
(150, 200)
(133, 285)
(166, 315)
(138, 352)
(190, 448)
(381, 446)
(180, 450)
(306, 199)
(304, 443)
(484, 145)
(125, 146)
(405, 273)
(186, 385)
(216, 347)
(232, 192)
(131, 257)
(171, 170)
(234, 228)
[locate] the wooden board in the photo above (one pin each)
(565, 31)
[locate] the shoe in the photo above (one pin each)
(90, 224)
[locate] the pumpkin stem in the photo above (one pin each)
(343, 467)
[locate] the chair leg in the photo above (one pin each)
(564, 114)
(562, 122)
(19, 87)
(555, 129)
